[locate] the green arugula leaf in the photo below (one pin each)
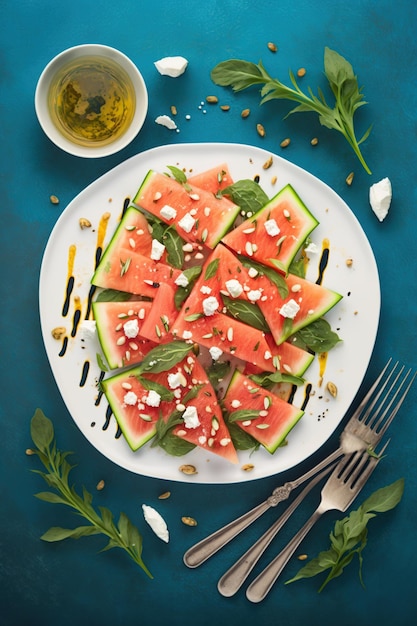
(56, 476)
(350, 535)
(343, 83)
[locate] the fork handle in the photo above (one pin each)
(201, 551)
(259, 588)
(236, 575)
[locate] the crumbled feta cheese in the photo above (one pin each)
(171, 66)
(289, 309)
(190, 417)
(267, 355)
(236, 404)
(205, 289)
(210, 305)
(187, 334)
(130, 398)
(312, 248)
(252, 272)
(157, 251)
(254, 295)
(176, 380)
(272, 228)
(87, 329)
(186, 222)
(131, 328)
(181, 280)
(234, 287)
(156, 522)
(153, 398)
(165, 120)
(168, 212)
(215, 353)
(380, 195)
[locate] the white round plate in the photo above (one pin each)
(71, 252)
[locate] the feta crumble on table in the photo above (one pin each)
(165, 120)
(156, 522)
(380, 196)
(171, 66)
(131, 329)
(289, 309)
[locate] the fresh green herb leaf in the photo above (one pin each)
(168, 236)
(182, 293)
(101, 363)
(113, 295)
(125, 536)
(350, 536)
(163, 357)
(243, 414)
(268, 379)
(246, 312)
(247, 194)
(211, 269)
(178, 174)
(164, 438)
(318, 337)
(240, 75)
(151, 385)
(217, 371)
(274, 277)
(241, 439)
(124, 266)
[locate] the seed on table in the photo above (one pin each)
(302, 557)
(29, 451)
(272, 46)
(54, 199)
(261, 130)
(245, 113)
(189, 521)
(173, 109)
(349, 178)
(165, 495)
(212, 99)
(100, 485)
(301, 72)
(314, 141)
(285, 142)
(84, 223)
(225, 107)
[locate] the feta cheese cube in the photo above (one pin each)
(254, 295)
(272, 228)
(157, 250)
(190, 417)
(380, 196)
(234, 287)
(210, 305)
(168, 212)
(187, 223)
(171, 66)
(289, 309)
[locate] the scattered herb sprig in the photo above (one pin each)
(350, 535)
(122, 535)
(343, 83)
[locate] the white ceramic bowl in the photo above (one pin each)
(93, 150)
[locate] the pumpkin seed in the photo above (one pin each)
(314, 141)
(261, 130)
(248, 467)
(165, 495)
(245, 113)
(188, 469)
(189, 521)
(212, 99)
(173, 109)
(285, 142)
(349, 178)
(349, 262)
(59, 332)
(301, 72)
(54, 199)
(332, 389)
(225, 107)
(100, 485)
(84, 223)
(268, 163)
(272, 46)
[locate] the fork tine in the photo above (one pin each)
(369, 410)
(360, 476)
(393, 399)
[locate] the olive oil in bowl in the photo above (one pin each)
(92, 101)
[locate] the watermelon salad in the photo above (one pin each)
(204, 315)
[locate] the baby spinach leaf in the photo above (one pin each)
(247, 194)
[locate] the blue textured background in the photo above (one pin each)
(72, 582)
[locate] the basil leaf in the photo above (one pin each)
(243, 414)
(182, 293)
(267, 379)
(113, 295)
(317, 337)
(151, 385)
(218, 371)
(163, 357)
(41, 430)
(274, 277)
(246, 312)
(178, 174)
(241, 439)
(247, 194)
(211, 269)
(385, 499)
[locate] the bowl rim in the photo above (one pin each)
(41, 100)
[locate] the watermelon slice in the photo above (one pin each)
(158, 323)
(275, 233)
(119, 331)
(213, 180)
(199, 216)
(187, 393)
(266, 417)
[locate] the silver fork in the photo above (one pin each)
(338, 493)
(364, 429)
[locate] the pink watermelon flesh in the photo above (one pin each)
(213, 180)
(137, 419)
(158, 323)
(119, 331)
(200, 217)
(275, 417)
(275, 233)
